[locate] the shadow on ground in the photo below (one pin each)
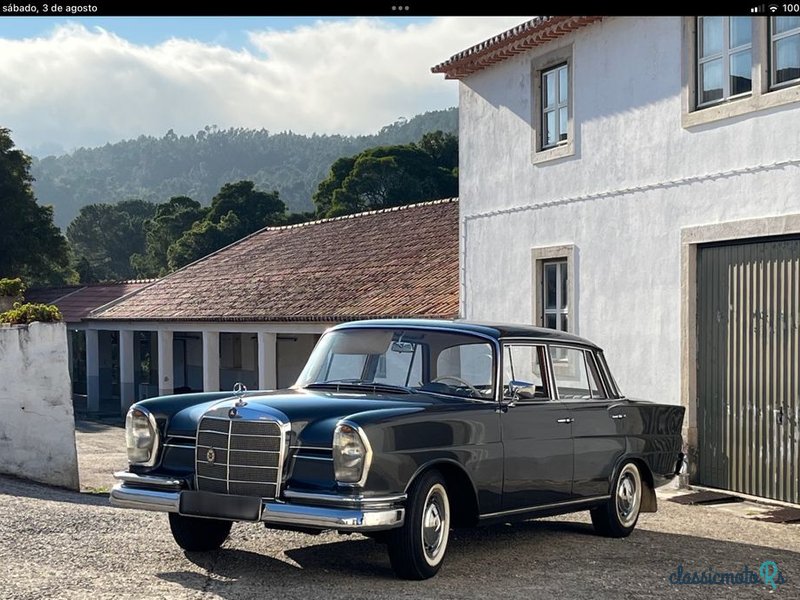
(556, 559)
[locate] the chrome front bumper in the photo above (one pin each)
(365, 516)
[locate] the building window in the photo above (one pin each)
(785, 51)
(738, 65)
(724, 58)
(554, 287)
(555, 295)
(555, 106)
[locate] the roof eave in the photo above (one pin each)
(536, 32)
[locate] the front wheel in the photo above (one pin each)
(417, 549)
(198, 535)
(619, 515)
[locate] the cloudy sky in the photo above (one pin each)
(85, 82)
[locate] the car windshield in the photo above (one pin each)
(402, 361)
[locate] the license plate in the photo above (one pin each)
(220, 506)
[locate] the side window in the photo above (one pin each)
(576, 374)
(522, 372)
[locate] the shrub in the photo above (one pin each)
(22, 314)
(12, 287)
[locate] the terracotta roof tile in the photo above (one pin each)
(400, 262)
(76, 302)
(536, 32)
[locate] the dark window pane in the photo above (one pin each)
(562, 124)
(711, 36)
(711, 81)
(563, 282)
(550, 321)
(784, 24)
(550, 285)
(741, 31)
(741, 73)
(564, 324)
(787, 59)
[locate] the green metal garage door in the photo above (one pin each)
(748, 383)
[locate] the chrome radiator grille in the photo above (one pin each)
(239, 457)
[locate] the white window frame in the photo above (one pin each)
(725, 54)
(540, 65)
(560, 71)
(561, 310)
(773, 39)
(542, 255)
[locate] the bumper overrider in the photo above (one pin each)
(299, 509)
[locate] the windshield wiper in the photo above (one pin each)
(360, 384)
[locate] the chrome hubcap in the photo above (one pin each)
(628, 495)
(435, 524)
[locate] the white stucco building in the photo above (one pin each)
(637, 181)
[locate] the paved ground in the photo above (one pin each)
(101, 451)
(60, 544)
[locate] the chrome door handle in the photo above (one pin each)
(567, 420)
(619, 416)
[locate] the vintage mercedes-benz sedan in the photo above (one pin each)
(402, 430)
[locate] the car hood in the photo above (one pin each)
(313, 414)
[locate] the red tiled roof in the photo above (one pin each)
(536, 32)
(400, 262)
(77, 301)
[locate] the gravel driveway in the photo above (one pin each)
(60, 544)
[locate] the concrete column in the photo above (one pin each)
(210, 361)
(166, 378)
(127, 388)
(267, 360)
(92, 371)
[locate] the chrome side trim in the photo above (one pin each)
(320, 448)
(325, 458)
(543, 507)
(297, 515)
(148, 480)
(332, 498)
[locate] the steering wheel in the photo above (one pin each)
(459, 381)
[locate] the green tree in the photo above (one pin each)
(31, 246)
(236, 211)
(172, 219)
(389, 176)
(104, 237)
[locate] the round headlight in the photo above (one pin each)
(140, 437)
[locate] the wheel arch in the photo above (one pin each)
(460, 489)
(649, 500)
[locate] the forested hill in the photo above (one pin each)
(197, 166)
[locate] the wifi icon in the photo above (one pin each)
(773, 8)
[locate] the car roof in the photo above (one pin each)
(494, 330)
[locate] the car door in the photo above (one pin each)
(597, 427)
(536, 429)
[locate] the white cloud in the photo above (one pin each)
(81, 87)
